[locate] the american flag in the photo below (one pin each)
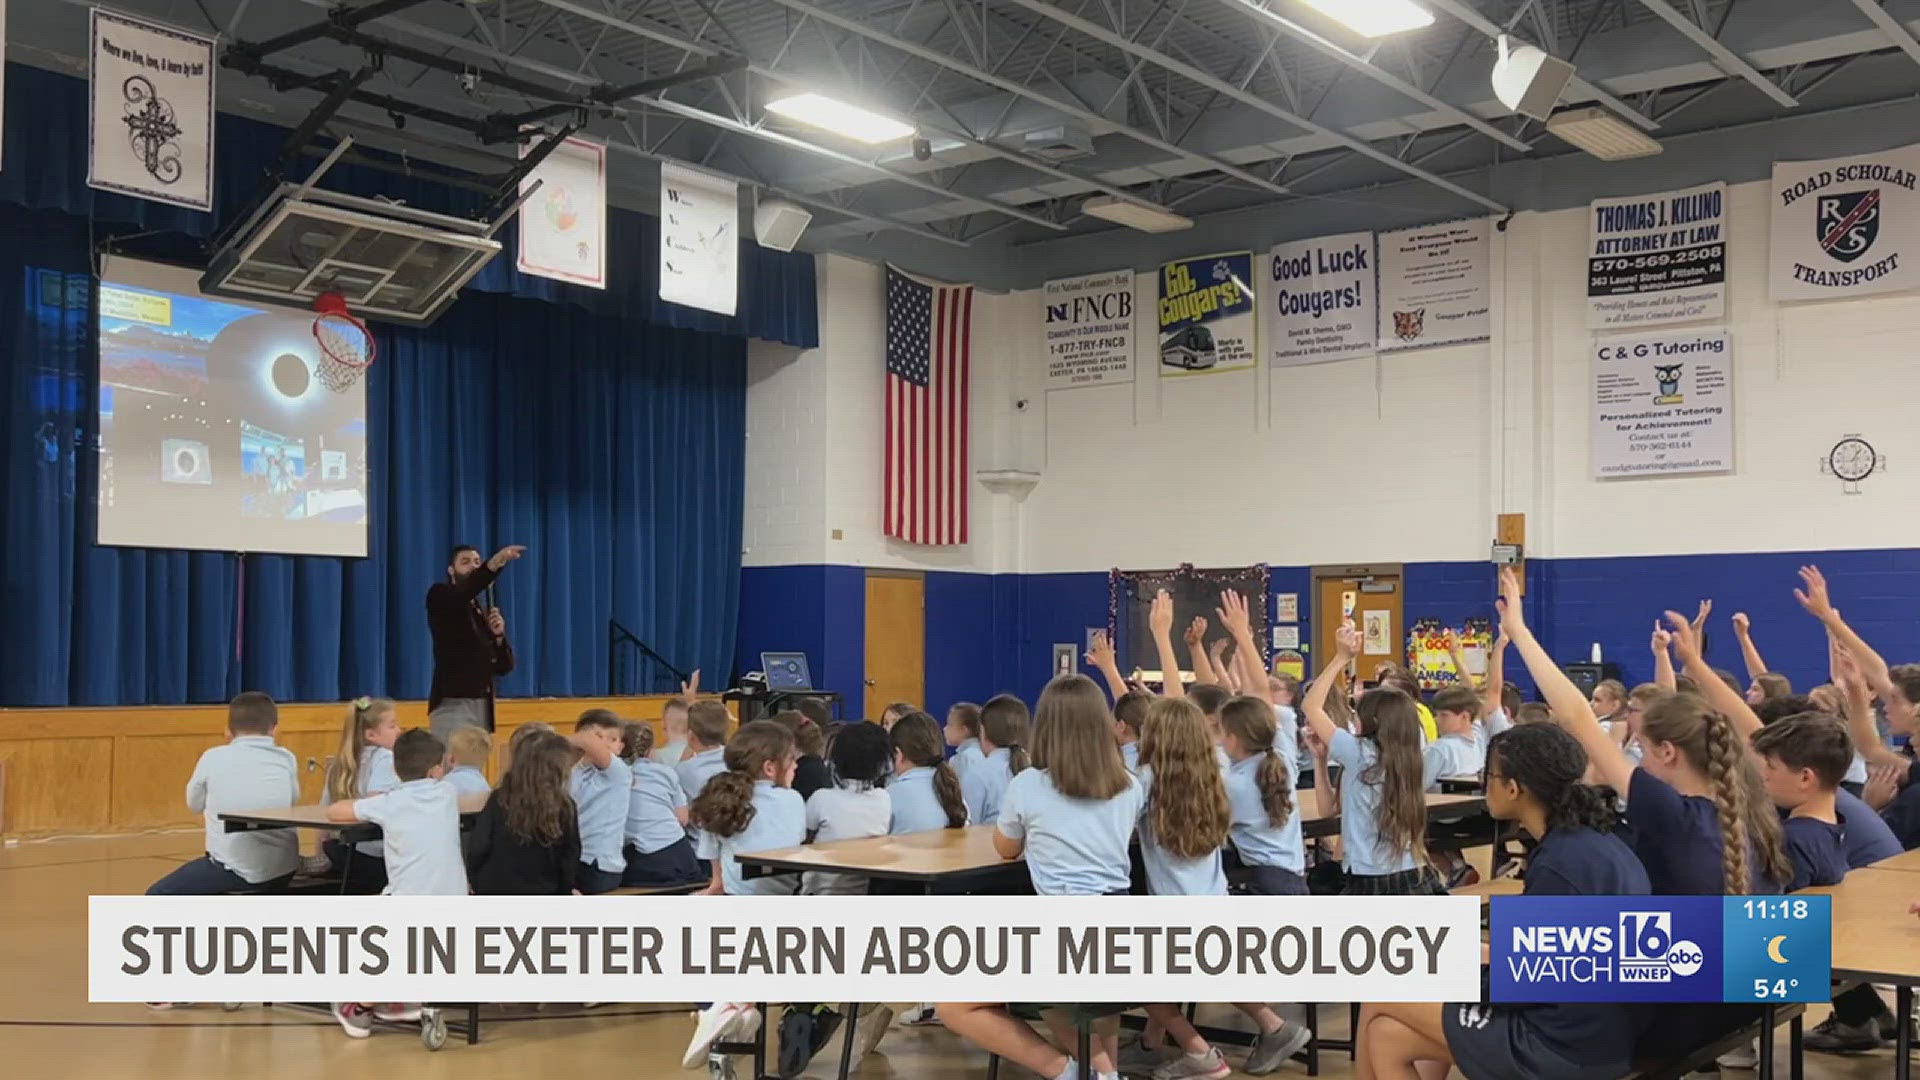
(929, 351)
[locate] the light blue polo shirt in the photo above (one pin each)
(1454, 755)
(600, 795)
(468, 780)
(652, 797)
(1130, 753)
(1258, 841)
(779, 821)
(1075, 847)
(376, 776)
(916, 808)
(1360, 809)
(1168, 874)
(695, 771)
(420, 821)
(251, 772)
(985, 784)
(966, 757)
(1286, 740)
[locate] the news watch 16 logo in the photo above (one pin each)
(1605, 949)
(1648, 953)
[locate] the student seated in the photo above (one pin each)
(601, 782)
(854, 808)
(657, 849)
(963, 734)
(894, 711)
(1129, 713)
(707, 727)
(1004, 725)
(468, 748)
(526, 841)
(810, 773)
(1460, 750)
(362, 766)
(420, 823)
(1802, 760)
(249, 772)
(673, 723)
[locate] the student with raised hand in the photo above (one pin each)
(1764, 683)
(1383, 820)
(1815, 600)
(1662, 645)
(1005, 726)
(1160, 624)
(1236, 617)
(1696, 820)
(1196, 638)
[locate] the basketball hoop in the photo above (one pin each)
(346, 345)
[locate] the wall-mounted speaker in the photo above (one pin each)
(1529, 81)
(777, 224)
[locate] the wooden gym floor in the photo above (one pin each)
(48, 1031)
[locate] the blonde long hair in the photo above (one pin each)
(363, 715)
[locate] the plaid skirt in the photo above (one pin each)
(1421, 881)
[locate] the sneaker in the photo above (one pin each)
(355, 1019)
(397, 1012)
(1833, 1037)
(868, 1030)
(316, 866)
(1137, 1060)
(1745, 1057)
(1462, 876)
(1208, 1066)
(921, 1016)
(796, 1043)
(1272, 1049)
(744, 1027)
(710, 1026)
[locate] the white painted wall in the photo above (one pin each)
(1408, 458)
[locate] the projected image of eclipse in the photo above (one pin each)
(290, 375)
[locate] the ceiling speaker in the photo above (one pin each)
(1527, 80)
(777, 224)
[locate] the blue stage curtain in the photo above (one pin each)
(614, 449)
(46, 169)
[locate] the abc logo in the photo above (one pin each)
(1685, 958)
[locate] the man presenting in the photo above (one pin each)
(470, 646)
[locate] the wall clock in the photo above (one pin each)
(1852, 460)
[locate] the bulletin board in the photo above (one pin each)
(1195, 593)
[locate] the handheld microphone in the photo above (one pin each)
(490, 604)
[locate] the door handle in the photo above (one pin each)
(868, 682)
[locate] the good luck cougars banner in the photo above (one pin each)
(152, 111)
(1846, 227)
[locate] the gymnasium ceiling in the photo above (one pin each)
(1198, 106)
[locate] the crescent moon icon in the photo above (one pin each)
(1773, 949)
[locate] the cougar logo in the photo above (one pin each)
(1410, 325)
(1668, 376)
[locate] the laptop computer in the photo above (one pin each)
(787, 672)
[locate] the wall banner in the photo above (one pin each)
(1435, 285)
(1657, 258)
(1088, 328)
(1321, 297)
(152, 111)
(1663, 404)
(1206, 315)
(1846, 227)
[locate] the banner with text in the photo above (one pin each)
(1089, 330)
(1435, 285)
(1846, 227)
(1321, 300)
(785, 948)
(152, 111)
(1206, 315)
(563, 229)
(1657, 258)
(699, 239)
(1663, 404)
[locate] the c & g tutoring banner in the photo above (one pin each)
(1206, 314)
(1321, 299)
(1657, 258)
(1663, 404)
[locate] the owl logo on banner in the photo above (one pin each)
(1410, 325)
(1668, 376)
(1847, 224)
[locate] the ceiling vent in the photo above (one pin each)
(1061, 142)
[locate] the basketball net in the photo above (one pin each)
(346, 345)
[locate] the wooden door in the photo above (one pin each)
(896, 640)
(1376, 602)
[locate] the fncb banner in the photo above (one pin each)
(1846, 227)
(1663, 404)
(1207, 318)
(1088, 328)
(1657, 258)
(1321, 298)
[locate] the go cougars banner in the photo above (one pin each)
(1846, 227)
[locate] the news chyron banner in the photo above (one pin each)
(1321, 300)
(1846, 227)
(1657, 258)
(782, 948)
(1088, 323)
(1764, 949)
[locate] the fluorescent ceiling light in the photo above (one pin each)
(1374, 18)
(1133, 215)
(1602, 134)
(840, 118)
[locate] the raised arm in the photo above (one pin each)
(1493, 689)
(1235, 619)
(1101, 657)
(1859, 708)
(1346, 646)
(1197, 650)
(1663, 658)
(1570, 707)
(1725, 699)
(1819, 604)
(1749, 652)
(1160, 620)
(1459, 658)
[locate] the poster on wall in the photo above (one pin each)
(1846, 227)
(1089, 329)
(1657, 258)
(152, 111)
(563, 230)
(699, 239)
(1435, 285)
(1320, 300)
(1663, 404)
(1206, 315)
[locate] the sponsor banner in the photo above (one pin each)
(1321, 297)
(1089, 330)
(1661, 948)
(152, 111)
(1663, 404)
(782, 948)
(563, 229)
(699, 239)
(1206, 314)
(1435, 285)
(1846, 227)
(1657, 258)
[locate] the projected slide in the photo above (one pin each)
(215, 432)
